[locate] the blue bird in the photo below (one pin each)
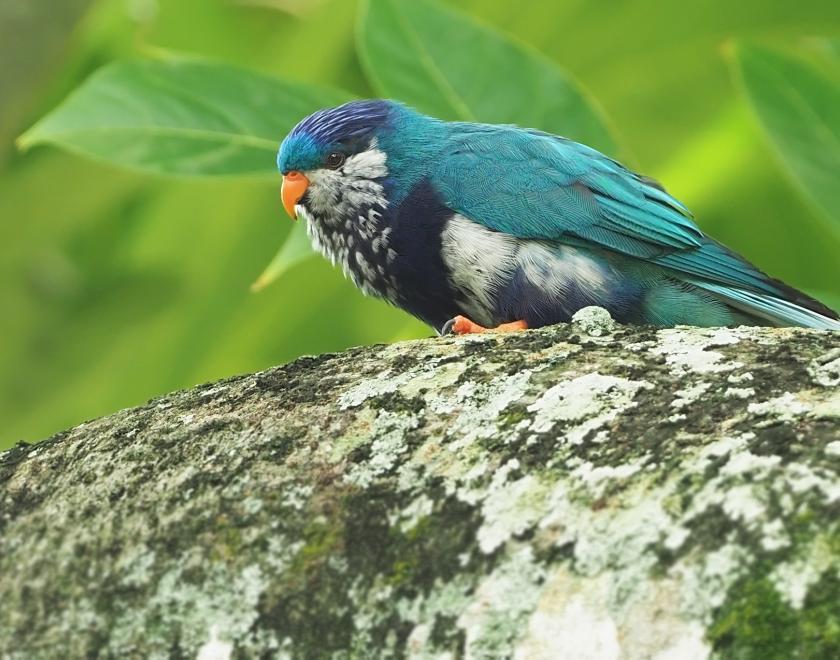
(472, 227)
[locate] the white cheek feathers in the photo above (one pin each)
(368, 164)
(344, 209)
(335, 195)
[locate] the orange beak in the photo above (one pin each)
(294, 185)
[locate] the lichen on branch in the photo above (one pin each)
(585, 490)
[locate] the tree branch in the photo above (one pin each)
(585, 490)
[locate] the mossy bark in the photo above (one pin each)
(580, 491)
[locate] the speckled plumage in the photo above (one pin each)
(500, 223)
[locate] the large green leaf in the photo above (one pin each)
(186, 117)
(798, 105)
(449, 65)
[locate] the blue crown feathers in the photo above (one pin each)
(333, 127)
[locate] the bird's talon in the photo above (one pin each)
(461, 325)
(513, 326)
(447, 328)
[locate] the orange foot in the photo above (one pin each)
(461, 325)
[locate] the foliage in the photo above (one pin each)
(180, 117)
(407, 47)
(119, 285)
(799, 107)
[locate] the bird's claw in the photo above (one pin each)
(461, 325)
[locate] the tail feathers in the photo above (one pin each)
(777, 311)
(716, 265)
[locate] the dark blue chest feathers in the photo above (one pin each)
(417, 225)
(390, 251)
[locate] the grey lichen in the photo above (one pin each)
(583, 491)
(593, 321)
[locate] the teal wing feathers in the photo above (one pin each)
(539, 186)
(534, 185)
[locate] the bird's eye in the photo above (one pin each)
(334, 160)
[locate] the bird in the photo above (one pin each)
(475, 227)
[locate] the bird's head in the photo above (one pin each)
(334, 158)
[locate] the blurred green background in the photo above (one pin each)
(118, 285)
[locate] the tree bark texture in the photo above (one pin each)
(580, 491)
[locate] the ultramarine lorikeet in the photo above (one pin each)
(475, 226)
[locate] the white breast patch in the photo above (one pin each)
(480, 262)
(555, 268)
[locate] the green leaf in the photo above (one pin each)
(296, 248)
(447, 64)
(798, 106)
(183, 117)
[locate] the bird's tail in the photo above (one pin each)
(795, 309)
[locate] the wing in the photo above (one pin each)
(534, 185)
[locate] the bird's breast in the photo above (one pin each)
(480, 263)
(359, 245)
(498, 277)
